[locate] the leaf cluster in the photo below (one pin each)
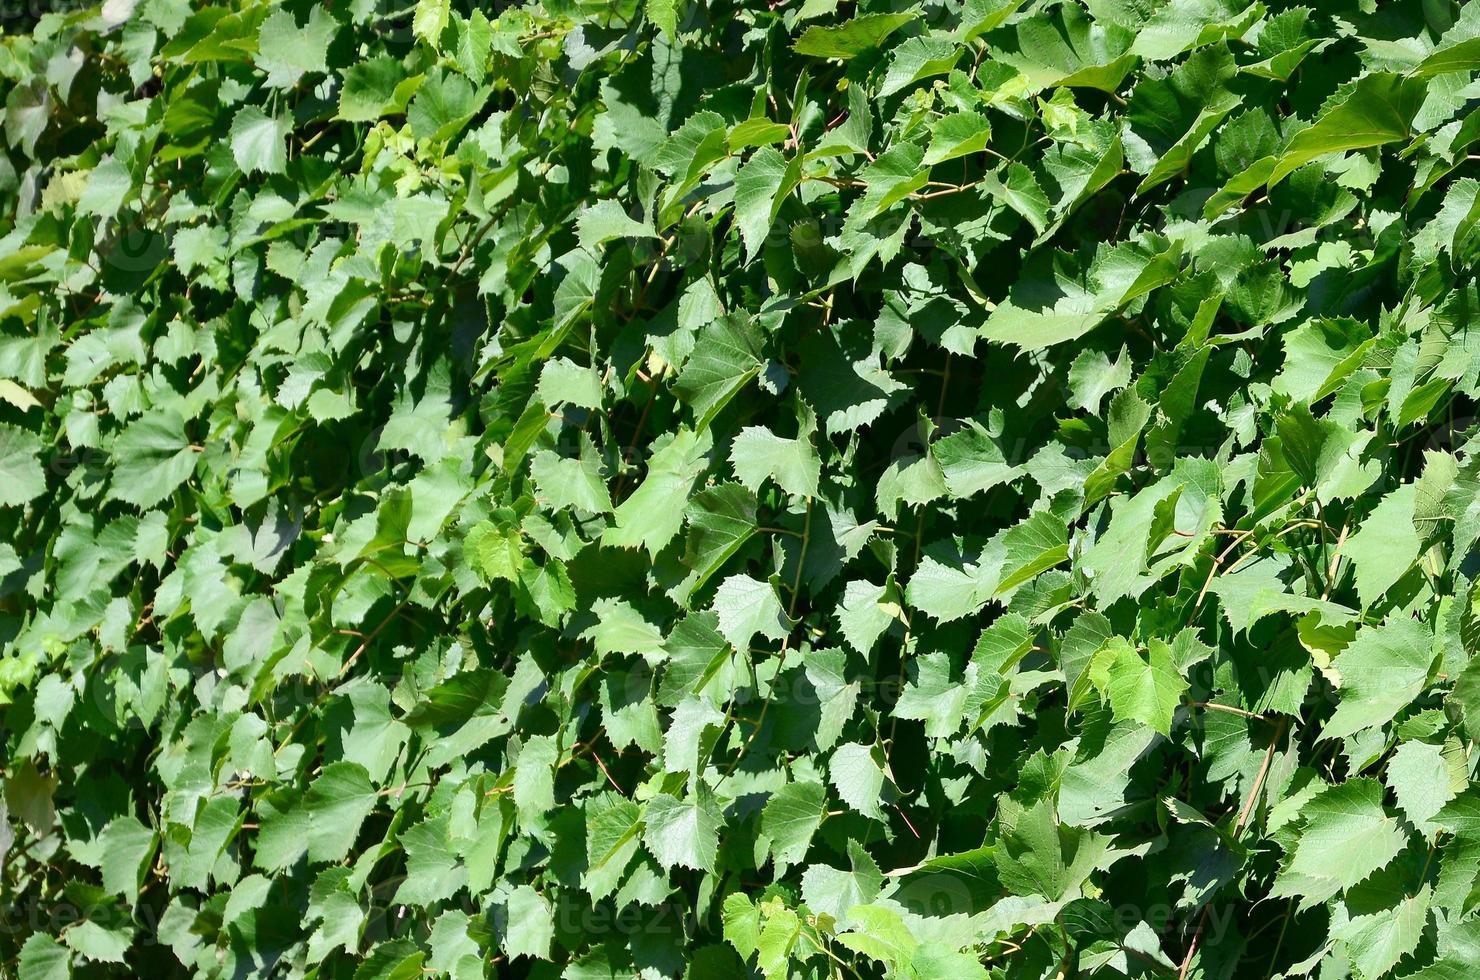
(702, 488)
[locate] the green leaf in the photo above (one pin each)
(725, 359)
(650, 517)
(620, 628)
(1034, 546)
(1460, 56)
(1379, 110)
(443, 104)
(1055, 303)
(430, 20)
(758, 455)
(1181, 24)
(918, 58)
(605, 221)
(21, 477)
(454, 951)
(761, 187)
(851, 39)
(531, 925)
(790, 818)
(43, 958)
(369, 89)
(894, 176)
(911, 477)
(683, 833)
(325, 824)
(1386, 546)
(1383, 669)
(957, 135)
(613, 828)
(972, 461)
(933, 696)
(108, 186)
(664, 14)
(1145, 690)
(151, 458)
(577, 483)
(128, 852)
(287, 52)
(854, 771)
(1347, 834)
(836, 893)
(980, 16)
(1067, 49)
(747, 607)
(257, 141)
(721, 520)
(99, 943)
(1380, 932)
(866, 611)
(1423, 780)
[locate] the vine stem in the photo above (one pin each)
(1280, 942)
(796, 588)
(1335, 560)
(1243, 818)
(1227, 709)
(940, 408)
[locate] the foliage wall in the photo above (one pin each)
(702, 488)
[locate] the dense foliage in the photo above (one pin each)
(662, 488)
